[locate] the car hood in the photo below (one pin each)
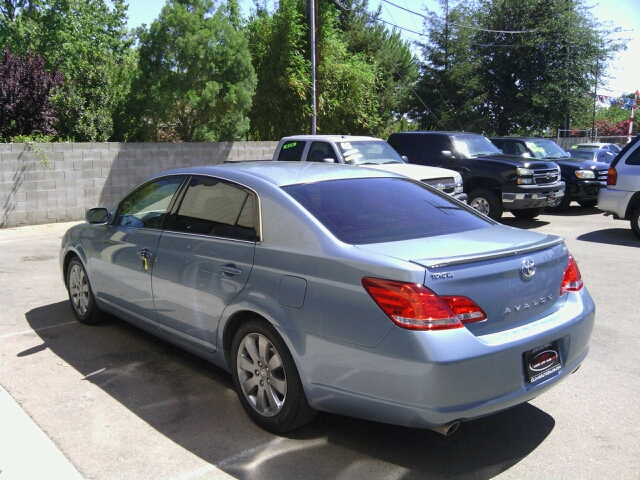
(417, 172)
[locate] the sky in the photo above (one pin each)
(624, 73)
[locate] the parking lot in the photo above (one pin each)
(121, 404)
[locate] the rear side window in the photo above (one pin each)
(291, 151)
(216, 208)
(634, 157)
(376, 210)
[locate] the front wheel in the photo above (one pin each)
(266, 379)
(487, 202)
(83, 303)
(635, 221)
(527, 213)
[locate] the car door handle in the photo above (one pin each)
(145, 253)
(230, 270)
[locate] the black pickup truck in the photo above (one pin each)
(493, 181)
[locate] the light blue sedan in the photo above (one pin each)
(343, 289)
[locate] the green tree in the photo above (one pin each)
(278, 44)
(537, 79)
(448, 93)
(396, 68)
(196, 79)
(87, 42)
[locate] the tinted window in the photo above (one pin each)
(220, 209)
(634, 157)
(434, 145)
(291, 151)
(147, 206)
(318, 151)
(374, 210)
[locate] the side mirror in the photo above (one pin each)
(447, 154)
(328, 160)
(97, 216)
(405, 158)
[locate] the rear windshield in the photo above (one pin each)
(376, 210)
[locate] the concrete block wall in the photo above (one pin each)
(58, 182)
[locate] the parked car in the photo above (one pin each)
(593, 154)
(348, 290)
(621, 198)
(612, 147)
(493, 181)
(367, 152)
(583, 178)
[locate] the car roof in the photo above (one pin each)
(335, 138)
(280, 174)
(520, 138)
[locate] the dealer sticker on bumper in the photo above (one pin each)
(542, 362)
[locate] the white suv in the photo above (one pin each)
(367, 152)
(621, 198)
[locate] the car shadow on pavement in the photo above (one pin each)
(192, 403)
(623, 237)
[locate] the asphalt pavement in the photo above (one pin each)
(112, 402)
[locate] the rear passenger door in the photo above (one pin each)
(204, 258)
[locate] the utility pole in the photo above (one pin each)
(313, 17)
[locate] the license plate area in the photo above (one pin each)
(542, 362)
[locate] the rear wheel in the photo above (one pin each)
(83, 303)
(487, 202)
(266, 379)
(635, 221)
(527, 213)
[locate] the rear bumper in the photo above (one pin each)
(532, 196)
(614, 201)
(426, 379)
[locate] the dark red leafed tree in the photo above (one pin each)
(25, 96)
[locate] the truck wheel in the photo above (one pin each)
(528, 213)
(487, 202)
(635, 221)
(562, 204)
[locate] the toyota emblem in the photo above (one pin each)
(528, 268)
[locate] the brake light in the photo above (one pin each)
(612, 176)
(571, 279)
(413, 306)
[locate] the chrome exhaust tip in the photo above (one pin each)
(447, 429)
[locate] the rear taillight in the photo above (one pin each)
(571, 279)
(612, 176)
(415, 307)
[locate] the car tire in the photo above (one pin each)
(588, 203)
(266, 379)
(487, 202)
(562, 204)
(635, 221)
(83, 303)
(527, 213)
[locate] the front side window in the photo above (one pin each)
(375, 210)
(146, 207)
(319, 151)
(217, 208)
